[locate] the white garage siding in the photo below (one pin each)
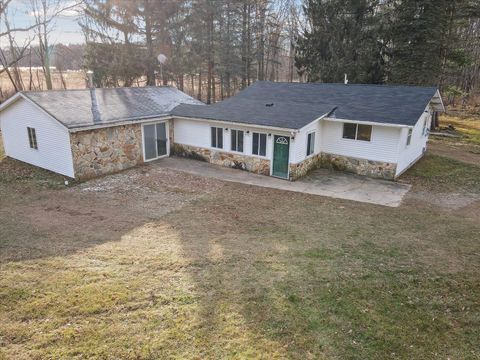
(54, 152)
(197, 133)
(418, 144)
(383, 145)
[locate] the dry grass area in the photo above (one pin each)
(151, 264)
(73, 80)
(466, 146)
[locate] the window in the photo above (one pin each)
(349, 131)
(32, 138)
(310, 143)
(217, 137)
(259, 144)
(425, 128)
(357, 131)
(409, 137)
(237, 140)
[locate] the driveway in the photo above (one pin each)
(320, 182)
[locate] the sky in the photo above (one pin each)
(65, 29)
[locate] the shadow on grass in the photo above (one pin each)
(243, 272)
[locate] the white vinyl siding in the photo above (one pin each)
(54, 152)
(418, 143)
(197, 133)
(298, 146)
(383, 145)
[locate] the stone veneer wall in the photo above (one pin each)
(375, 169)
(237, 161)
(103, 151)
(303, 168)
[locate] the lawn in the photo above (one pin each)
(151, 264)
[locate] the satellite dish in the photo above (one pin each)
(161, 59)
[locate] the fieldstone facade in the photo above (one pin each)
(370, 168)
(303, 168)
(237, 161)
(107, 150)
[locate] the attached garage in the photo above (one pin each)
(87, 133)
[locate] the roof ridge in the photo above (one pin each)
(101, 88)
(349, 84)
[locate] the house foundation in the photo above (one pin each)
(236, 161)
(370, 168)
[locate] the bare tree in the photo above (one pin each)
(45, 12)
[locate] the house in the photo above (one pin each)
(90, 132)
(278, 129)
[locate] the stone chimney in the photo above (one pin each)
(93, 96)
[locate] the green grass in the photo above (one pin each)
(442, 174)
(241, 273)
(467, 126)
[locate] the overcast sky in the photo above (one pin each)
(65, 29)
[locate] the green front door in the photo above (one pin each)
(281, 148)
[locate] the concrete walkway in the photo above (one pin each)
(320, 182)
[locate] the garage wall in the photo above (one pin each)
(53, 139)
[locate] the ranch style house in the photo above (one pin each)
(276, 129)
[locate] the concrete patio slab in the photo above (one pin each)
(321, 182)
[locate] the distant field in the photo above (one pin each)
(73, 80)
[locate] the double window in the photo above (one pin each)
(217, 137)
(32, 138)
(310, 143)
(236, 140)
(357, 131)
(259, 144)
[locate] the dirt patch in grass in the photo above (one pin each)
(151, 263)
(459, 151)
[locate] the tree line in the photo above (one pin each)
(417, 42)
(213, 48)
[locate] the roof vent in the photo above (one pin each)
(269, 105)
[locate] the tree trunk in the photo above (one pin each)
(149, 42)
(199, 94)
(244, 46)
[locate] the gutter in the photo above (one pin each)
(127, 121)
(237, 122)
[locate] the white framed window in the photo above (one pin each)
(32, 138)
(357, 131)
(310, 143)
(425, 128)
(409, 136)
(259, 144)
(217, 137)
(236, 137)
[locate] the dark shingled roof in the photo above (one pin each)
(73, 108)
(297, 104)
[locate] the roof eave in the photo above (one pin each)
(235, 122)
(120, 122)
(396, 125)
